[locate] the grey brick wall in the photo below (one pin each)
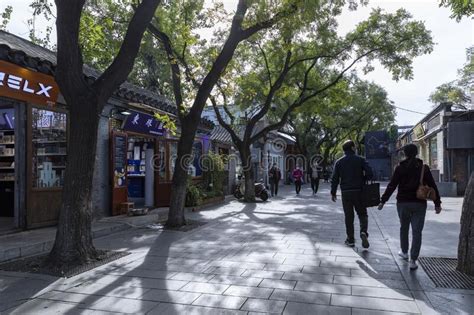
(101, 187)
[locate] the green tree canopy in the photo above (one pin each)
(459, 8)
(458, 91)
(354, 107)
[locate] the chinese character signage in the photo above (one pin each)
(143, 123)
(22, 84)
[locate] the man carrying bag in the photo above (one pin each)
(351, 172)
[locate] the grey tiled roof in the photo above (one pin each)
(25, 53)
(219, 134)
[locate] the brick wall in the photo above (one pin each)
(101, 186)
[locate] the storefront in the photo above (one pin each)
(143, 158)
(445, 142)
(33, 147)
(134, 156)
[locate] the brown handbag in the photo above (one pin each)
(425, 192)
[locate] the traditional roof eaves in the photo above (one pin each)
(23, 53)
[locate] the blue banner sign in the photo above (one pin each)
(143, 123)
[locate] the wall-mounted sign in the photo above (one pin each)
(143, 123)
(119, 159)
(419, 131)
(26, 85)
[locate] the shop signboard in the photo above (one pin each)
(143, 123)
(460, 135)
(26, 85)
(419, 132)
(120, 159)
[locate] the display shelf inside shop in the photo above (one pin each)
(51, 154)
(49, 141)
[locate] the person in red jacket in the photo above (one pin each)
(411, 210)
(297, 177)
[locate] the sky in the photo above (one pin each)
(451, 38)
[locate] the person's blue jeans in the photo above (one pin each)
(411, 213)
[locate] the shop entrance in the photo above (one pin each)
(140, 172)
(7, 168)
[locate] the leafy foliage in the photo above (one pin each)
(458, 91)
(41, 8)
(168, 123)
(353, 107)
(194, 195)
(214, 174)
(6, 17)
(459, 8)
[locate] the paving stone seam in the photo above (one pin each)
(386, 238)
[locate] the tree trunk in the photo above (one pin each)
(180, 176)
(249, 195)
(466, 236)
(73, 244)
(245, 155)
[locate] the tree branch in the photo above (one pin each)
(123, 63)
(175, 71)
(301, 100)
(266, 65)
(235, 138)
(248, 32)
(268, 100)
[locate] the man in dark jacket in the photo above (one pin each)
(275, 176)
(351, 171)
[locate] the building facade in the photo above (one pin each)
(135, 155)
(445, 139)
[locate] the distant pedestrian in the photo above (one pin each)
(411, 211)
(274, 176)
(313, 173)
(351, 171)
(297, 178)
(326, 174)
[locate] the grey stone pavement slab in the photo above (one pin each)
(284, 256)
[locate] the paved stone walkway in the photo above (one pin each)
(284, 256)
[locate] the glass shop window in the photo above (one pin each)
(49, 137)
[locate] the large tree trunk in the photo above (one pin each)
(85, 100)
(466, 236)
(245, 155)
(180, 175)
(178, 187)
(249, 195)
(73, 243)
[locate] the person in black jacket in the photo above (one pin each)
(351, 171)
(274, 177)
(411, 210)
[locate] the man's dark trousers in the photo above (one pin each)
(298, 186)
(315, 184)
(274, 187)
(352, 200)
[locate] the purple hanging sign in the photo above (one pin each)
(143, 123)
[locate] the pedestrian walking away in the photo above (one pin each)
(409, 175)
(351, 171)
(297, 177)
(313, 174)
(274, 177)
